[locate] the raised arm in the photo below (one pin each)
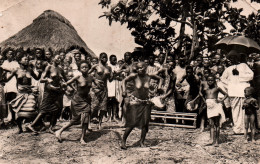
(157, 78)
(92, 69)
(44, 78)
(160, 71)
(72, 80)
(127, 79)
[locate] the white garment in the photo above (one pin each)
(152, 69)
(238, 114)
(180, 73)
(111, 86)
(215, 109)
(10, 86)
(236, 84)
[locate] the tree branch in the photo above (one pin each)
(176, 20)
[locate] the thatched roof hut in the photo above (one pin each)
(49, 30)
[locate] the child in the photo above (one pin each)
(215, 111)
(69, 91)
(250, 106)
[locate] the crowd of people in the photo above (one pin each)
(44, 86)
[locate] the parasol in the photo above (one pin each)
(240, 43)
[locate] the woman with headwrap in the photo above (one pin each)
(236, 78)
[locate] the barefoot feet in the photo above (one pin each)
(82, 141)
(31, 128)
(58, 135)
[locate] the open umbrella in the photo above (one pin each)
(240, 43)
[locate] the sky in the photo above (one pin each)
(83, 15)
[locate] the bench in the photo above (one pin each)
(165, 117)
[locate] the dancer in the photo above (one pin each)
(138, 111)
(52, 97)
(24, 104)
(80, 102)
(102, 74)
(250, 106)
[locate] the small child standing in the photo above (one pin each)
(250, 106)
(67, 97)
(215, 111)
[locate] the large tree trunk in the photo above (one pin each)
(182, 30)
(195, 42)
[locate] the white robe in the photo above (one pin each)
(236, 85)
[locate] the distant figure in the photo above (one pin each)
(250, 106)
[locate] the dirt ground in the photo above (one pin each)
(164, 145)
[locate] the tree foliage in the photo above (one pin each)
(153, 22)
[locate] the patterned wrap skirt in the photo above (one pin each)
(24, 105)
(138, 113)
(99, 97)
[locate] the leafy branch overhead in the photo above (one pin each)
(153, 22)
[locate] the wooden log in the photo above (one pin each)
(172, 117)
(175, 113)
(173, 125)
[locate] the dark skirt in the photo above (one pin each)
(80, 104)
(80, 108)
(50, 102)
(99, 97)
(3, 107)
(138, 114)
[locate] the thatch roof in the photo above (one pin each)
(49, 30)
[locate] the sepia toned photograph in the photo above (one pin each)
(129, 81)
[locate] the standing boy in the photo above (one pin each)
(250, 106)
(215, 111)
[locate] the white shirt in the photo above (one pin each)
(236, 84)
(10, 86)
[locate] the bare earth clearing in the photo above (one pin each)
(164, 145)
